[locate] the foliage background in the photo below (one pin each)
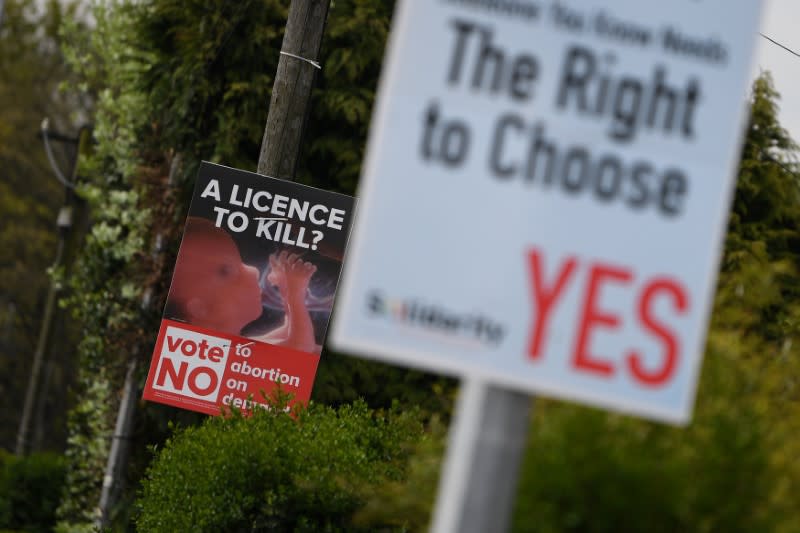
(31, 69)
(280, 473)
(30, 489)
(174, 82)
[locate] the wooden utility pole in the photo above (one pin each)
(479, 484)
(64, 224)
(291, 91)
(42, 341)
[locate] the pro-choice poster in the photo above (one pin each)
(251, 293)
(545, 193)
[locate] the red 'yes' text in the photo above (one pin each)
(548, 285)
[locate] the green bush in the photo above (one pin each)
(275, 472)
(593, 472)
(30, 488)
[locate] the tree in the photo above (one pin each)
(734, 468)
(31, 69)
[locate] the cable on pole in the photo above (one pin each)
(51, 157)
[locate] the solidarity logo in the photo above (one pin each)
(191, 364)
(435, 318)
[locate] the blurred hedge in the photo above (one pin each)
(275, 472)
(30, 488)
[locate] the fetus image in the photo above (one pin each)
(213, 288)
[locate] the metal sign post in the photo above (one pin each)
(485, 449)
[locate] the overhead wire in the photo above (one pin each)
(771, 159)
(767, 156)
(773, 41)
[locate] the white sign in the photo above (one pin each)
(546, 192)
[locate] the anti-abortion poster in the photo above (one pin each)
(251, 293)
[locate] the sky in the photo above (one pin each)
(781, 22)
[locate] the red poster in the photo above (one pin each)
(251, 292)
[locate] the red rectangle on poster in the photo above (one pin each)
(204, 370)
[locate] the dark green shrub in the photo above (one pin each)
(30, 488)
(273, 472)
